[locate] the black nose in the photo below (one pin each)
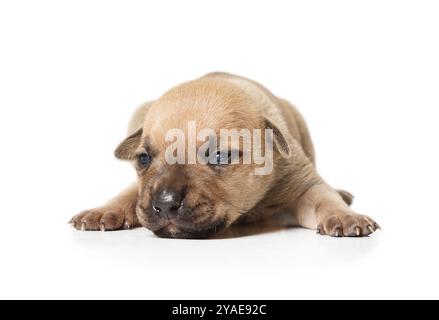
(167, 202)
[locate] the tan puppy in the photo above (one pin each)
(197, 200)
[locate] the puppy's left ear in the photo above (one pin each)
(282, 139)
(126, 149)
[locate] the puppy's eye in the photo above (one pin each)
(144, 159)
(222, 158)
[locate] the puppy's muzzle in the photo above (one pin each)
(168, 203)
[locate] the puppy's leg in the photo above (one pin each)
(118, 213)
(346, 196)
(323, 208)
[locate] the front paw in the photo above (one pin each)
(347, 224)
(105, 218)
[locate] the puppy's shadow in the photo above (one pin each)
(276, 223)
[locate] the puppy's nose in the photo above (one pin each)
(167, 202)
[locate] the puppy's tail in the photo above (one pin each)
(346, 196)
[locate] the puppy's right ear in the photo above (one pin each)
(126, 149)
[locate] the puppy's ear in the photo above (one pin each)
(126, 149)
(282, 139)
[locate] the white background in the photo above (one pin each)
(365, 74)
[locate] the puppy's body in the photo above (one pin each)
(211, 199)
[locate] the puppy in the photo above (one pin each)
(196, 200)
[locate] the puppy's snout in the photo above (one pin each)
(168, 202)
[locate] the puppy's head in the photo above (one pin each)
(194, 200)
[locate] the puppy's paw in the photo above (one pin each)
(347, 224)
(105, 218)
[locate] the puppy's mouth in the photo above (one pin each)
(174, 231)
(199, 221)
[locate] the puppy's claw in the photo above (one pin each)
(318, 230)
(83, 226)
(358, 231)
(377, 226)
(370, 229)
(337, 232)
(126, 225)
(102, 227)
